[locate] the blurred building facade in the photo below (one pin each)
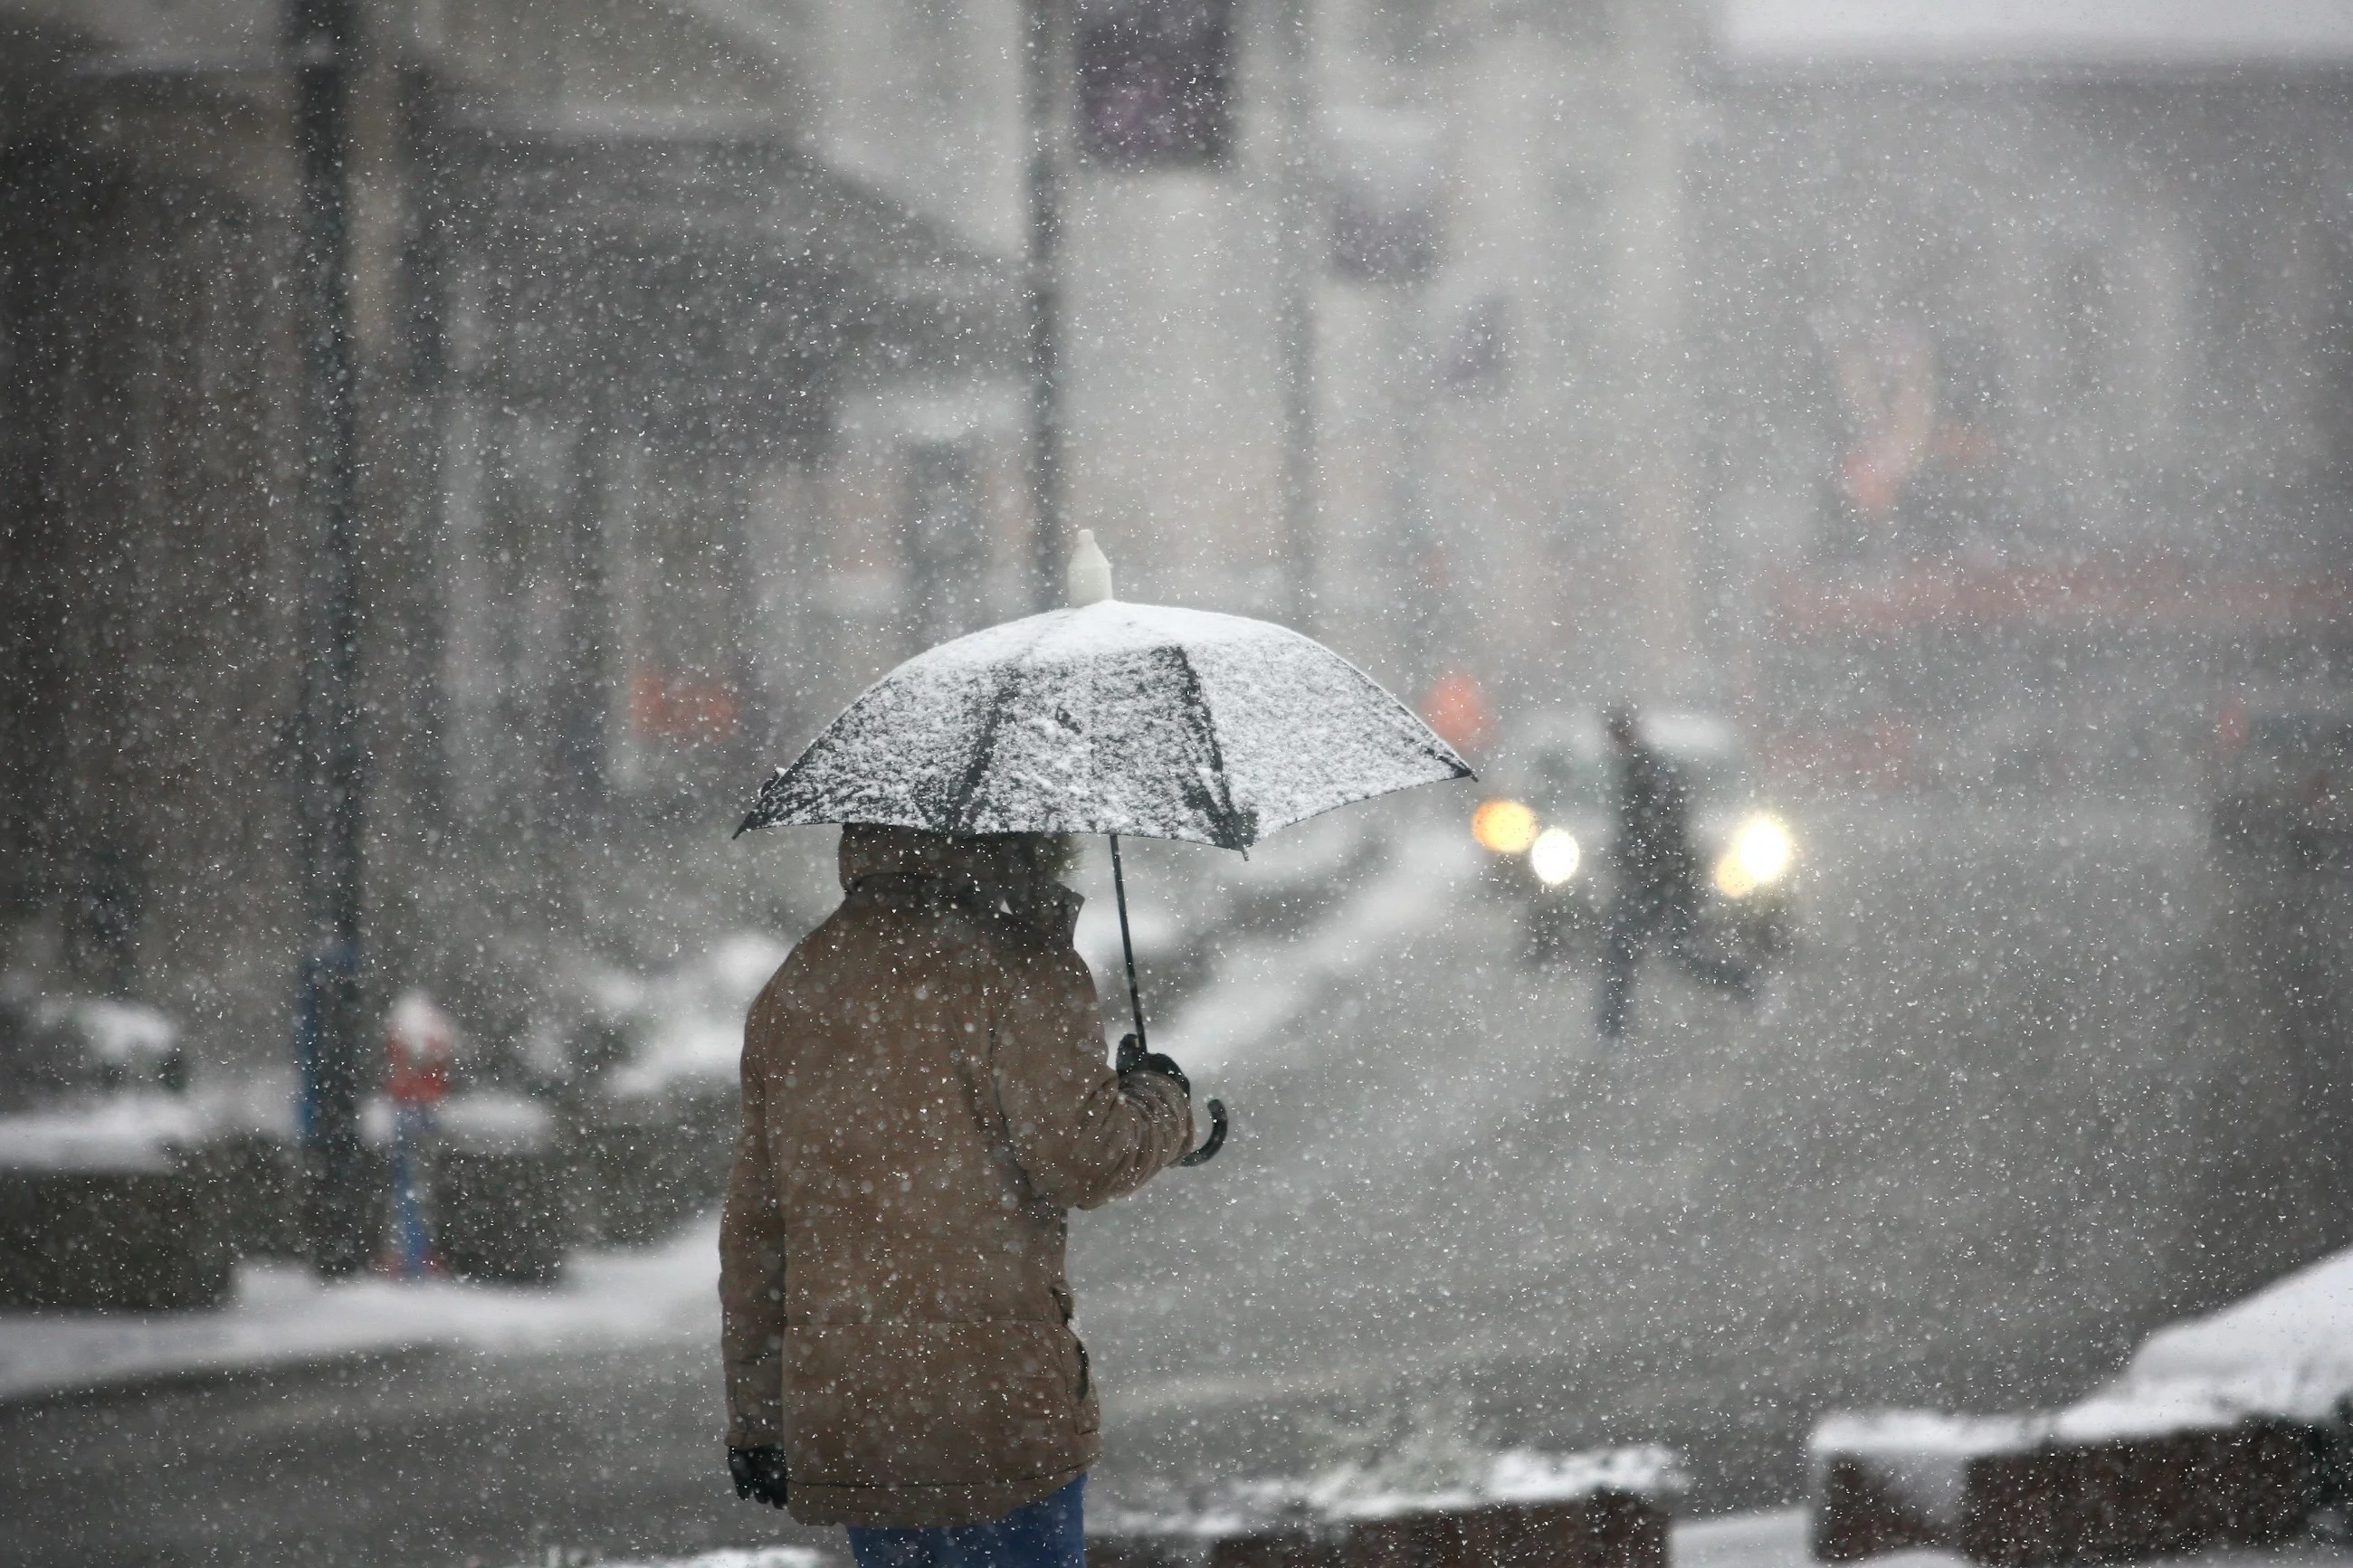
(2024, 384)
(608, 307)
(1859, 379)
(1686, 349)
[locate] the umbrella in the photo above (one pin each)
(1114, 718)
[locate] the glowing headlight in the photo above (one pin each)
(1760, 853)
(1505, 827)
(1554, 856)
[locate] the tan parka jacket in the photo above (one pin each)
(925, 1096)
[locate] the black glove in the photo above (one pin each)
(1133, 1057)
(759, 1474)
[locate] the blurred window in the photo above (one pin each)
(1156, 81)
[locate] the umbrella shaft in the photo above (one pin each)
(1126, 945)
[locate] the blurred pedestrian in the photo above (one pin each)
(924, 1099)
(1657, 895)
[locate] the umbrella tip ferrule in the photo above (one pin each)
(1089, 574)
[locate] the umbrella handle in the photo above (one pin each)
(1126, 945)
(1217, 1138)
(1214, 1142)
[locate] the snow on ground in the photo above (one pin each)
(1262, 986)
(113, 1132)
(2282, 1351)
(2285, 1350)
(726, 1557)
(284, 1316)
(1439, 1475)
(1778, 1540)
(687, 1023)
(1774, 1539)
(2296, 1333)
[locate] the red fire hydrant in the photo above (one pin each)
(419, 1042)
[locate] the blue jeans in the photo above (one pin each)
(1048, 1533)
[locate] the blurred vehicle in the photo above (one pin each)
(1548, 828)
(2282, 789)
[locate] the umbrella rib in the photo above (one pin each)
(983, 750)
(770, 804)
(1228, 821)
(984, 747)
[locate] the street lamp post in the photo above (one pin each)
(1046, 48)
(322, 39)
(1296, 271)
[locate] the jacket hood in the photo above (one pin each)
(988, 869)
(872, 849)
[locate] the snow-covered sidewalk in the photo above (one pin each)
(724, 1557)
(1774, 1539)
(1778, 1540)
(282, 1315)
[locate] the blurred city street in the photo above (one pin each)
(1868, 488)
(1997, 1150)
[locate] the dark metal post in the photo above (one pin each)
(1045, 59)
(338, 1064)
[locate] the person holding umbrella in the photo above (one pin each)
(925, 1100)
(925, 1094)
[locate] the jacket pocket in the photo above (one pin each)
(935, 1403)
(1090, 1408)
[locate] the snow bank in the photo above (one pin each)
(283, 1315)
(1918, 1456)
(482, 1122)
(125, 1031)
(121, 1132)
(473, 1121)
(726, 1557)
(687, 1025)
(1357, 1494)
(2287, 1350)
(2212, 1404)
(1920, 1431)
(1514, 1476)
(2285, 1353)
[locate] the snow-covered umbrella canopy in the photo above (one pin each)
(1145, 720)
